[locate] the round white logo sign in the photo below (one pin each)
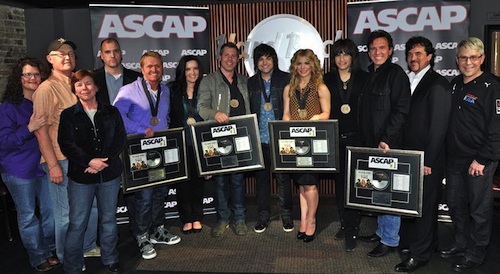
(286, 33)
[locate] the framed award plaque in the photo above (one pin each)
(298, 146)
(154, 161)
(226, 148)
(389, 182)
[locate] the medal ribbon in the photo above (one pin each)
(302, 101)
(267, 97)
(154, 109)
(345, 94)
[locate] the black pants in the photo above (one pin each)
(470, 200)
(349, 218)
(420, 234)
(190, 194)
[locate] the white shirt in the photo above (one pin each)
(415, 78)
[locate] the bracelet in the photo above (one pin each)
(50, 168)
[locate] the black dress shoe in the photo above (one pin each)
(464, 265)
(370, 239)
(451, 253)
(308, 238)
(301, 235)
(409, 265)
(114, 268)
(350, 243)
(381, 250)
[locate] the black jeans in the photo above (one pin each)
(470, 200)
(263, 179)
(190, 194)
(349, 218)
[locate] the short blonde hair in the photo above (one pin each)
(153, 54)
(472, 43)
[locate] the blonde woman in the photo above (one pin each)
(306, 98)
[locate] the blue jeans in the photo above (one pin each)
(388, 229)
(81, 197)
(150, 209)
(234, 185)
(37, 233)
(60, 206)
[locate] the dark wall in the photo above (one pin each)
(45, 25)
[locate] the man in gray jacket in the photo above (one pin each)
(221, 95)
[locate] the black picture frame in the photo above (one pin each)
(389, 182)
(154, 161)
(227, 148)
(298, 146)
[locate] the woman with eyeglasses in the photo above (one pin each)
(20, 162)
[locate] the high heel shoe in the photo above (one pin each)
(301, 235)
(188, 231)
(308, 238)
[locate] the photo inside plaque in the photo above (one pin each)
(154, 159)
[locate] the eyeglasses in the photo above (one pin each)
(30, 75)
(62, 54)
(463, 59)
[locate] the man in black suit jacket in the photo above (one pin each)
(109, 79)
(425, 130)
(112, 76)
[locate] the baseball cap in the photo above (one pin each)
(56, 44)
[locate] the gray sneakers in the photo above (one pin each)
(219, 229)
(241, 228)
(162, 236)
(147, 249)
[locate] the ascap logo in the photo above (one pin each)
(195, 52)
(162, 52)
(383, 162)
(302, 131)
(121, 209)
(392, 19)
(171, 204)
(154, 26)
(153, 143)
(208, 200)
(225, 130)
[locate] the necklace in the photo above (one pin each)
(344, 84)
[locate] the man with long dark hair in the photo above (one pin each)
(265, 90)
